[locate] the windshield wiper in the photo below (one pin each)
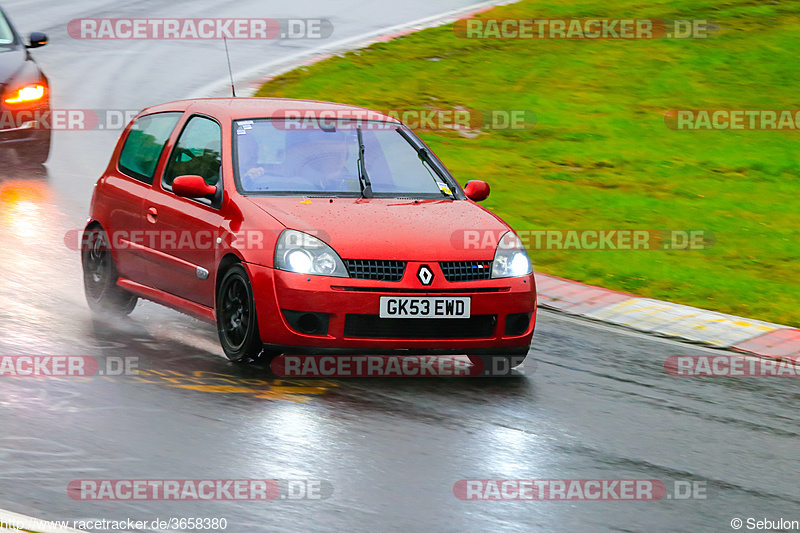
(363, 177)
(427, 159)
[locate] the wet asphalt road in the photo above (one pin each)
(592, 402)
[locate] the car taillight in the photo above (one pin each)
(29, 93)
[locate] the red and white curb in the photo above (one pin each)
(667, 319)
(251, 79)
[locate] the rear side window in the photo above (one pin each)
(145, 142)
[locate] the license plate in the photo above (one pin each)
(424, 307)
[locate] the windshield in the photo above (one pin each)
(276, 156)
(6, 35)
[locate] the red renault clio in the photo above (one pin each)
(305, 227)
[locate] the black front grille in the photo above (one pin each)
(455, 271)
(375, 269)
(374, 327)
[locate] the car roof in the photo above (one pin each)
(257, 107)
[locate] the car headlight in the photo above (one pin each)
(511, 259)
(29, 93)
(305, 254)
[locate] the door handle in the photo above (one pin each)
(152, 215)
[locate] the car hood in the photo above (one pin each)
(11, 62)
(390, 228)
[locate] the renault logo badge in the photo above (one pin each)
(424, 275)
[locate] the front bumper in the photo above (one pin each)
(23, 124)
(342, 298)
(26, 132)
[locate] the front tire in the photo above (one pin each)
(237, 323)
(100, 277)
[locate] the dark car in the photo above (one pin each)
(24, 95)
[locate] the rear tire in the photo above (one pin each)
(237, 323)
(100, 277)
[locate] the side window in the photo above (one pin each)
(146, 139)
(197, 152)
(6, 35)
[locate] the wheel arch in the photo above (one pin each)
(92, 224)
(227, 261)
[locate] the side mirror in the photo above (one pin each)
(192, 187)
(477, 190)
(37, 39)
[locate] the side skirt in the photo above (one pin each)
(168, 300)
